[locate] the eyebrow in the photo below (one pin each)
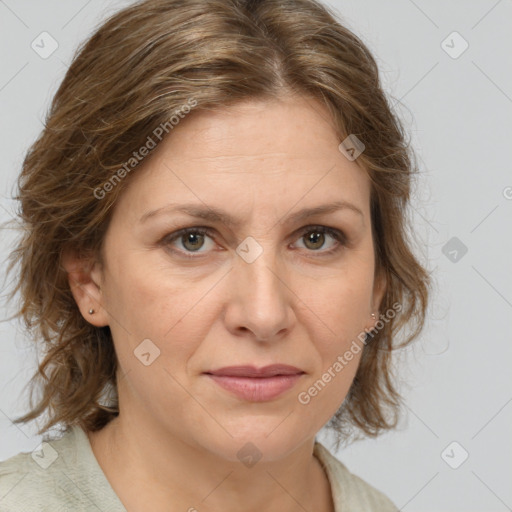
(216, 215)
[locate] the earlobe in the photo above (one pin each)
(84, 278)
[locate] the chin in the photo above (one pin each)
(251, 442)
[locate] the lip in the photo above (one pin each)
(251, 371)
(256, 384)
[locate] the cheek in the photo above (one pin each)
(323, 394)
(341, 305)
(153, 298)
(156, 306)
(339, 346)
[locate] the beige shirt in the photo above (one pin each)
(65, 476)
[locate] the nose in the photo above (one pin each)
(260, 299)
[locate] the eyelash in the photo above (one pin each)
(338, 235)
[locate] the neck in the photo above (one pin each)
(150, 469)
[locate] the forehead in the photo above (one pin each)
(276, 155)
(295, 126)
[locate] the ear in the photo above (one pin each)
(85, 281)
(379, 289)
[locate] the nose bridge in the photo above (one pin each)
(257, 265)
(261, 288)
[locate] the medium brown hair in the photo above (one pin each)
(136, 71)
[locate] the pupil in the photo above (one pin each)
(193, 239)
(314, 237)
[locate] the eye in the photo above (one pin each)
(315, 236)
(193, 239)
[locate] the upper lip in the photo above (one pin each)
(251, 371)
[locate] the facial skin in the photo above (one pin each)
(176, 439)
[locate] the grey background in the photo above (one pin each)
(456, 378)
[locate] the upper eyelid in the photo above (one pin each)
(208, 229)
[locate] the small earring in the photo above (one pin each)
(91, 311)
(373, 316)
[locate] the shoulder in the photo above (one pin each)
(54, 477)
(350, 492)
(36, 480)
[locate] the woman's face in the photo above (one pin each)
(267, 287)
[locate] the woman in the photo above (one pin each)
(215, 259)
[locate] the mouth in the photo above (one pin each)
(256, 384)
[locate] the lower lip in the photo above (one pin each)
(256, 389)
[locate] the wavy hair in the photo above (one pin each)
(133, 74)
